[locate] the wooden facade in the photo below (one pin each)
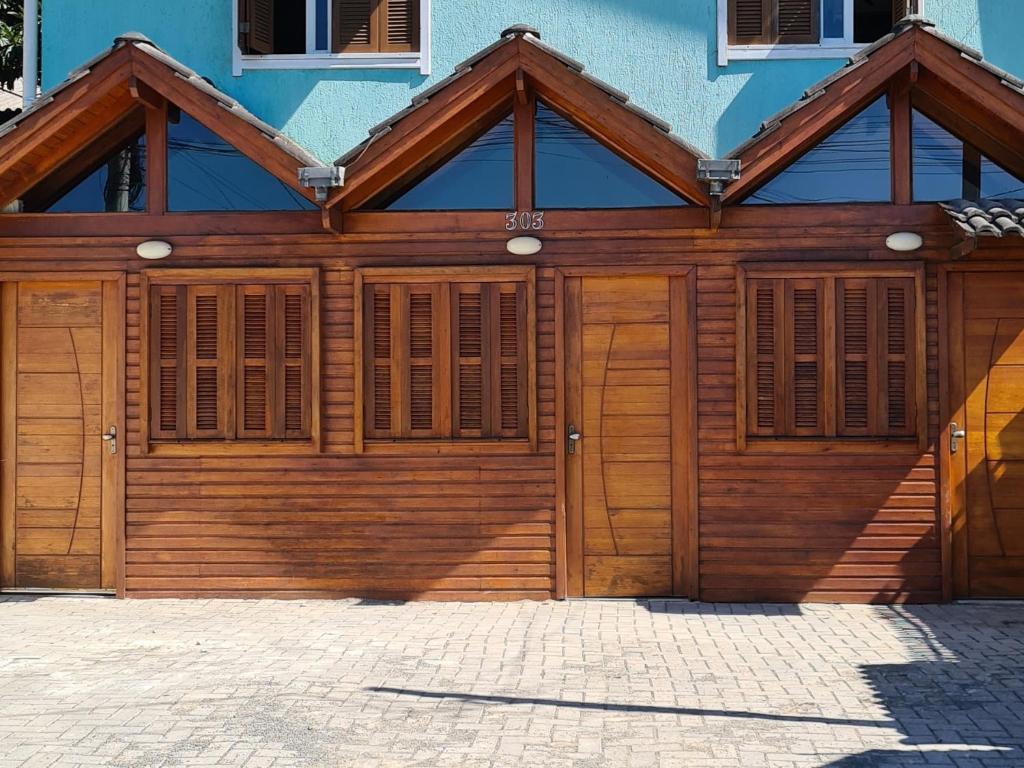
(315, 462)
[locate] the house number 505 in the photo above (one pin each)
(524, 221)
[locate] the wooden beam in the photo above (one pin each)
(143, 93)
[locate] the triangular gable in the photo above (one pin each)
(480, 176)
(950, 82)
(134, 74)
(450, 114)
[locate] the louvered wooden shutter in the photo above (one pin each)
(377, 389)
(354, 26)
(406, 382)
(255, 388)
(489, 360)
(420, 348)
(856, 358)
(209, 360)
(167, 370)
(797, 21)
(898, 365)
(470, 372)
(900, 9)
(875, 365)
(804, 357)
(511, 389)
(256, 26)
(293, 407)
(750, 22)
(399, 24)
(765, 381)
(766, 22)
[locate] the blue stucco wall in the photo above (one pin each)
(662, 52)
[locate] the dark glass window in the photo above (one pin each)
(872, 19)
(574, 170)
(205, 173)
(850, 166)
(945, 168)
(479, 177)
(115, 184)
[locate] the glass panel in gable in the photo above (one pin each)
(574, 170)
(941, 173)
(480, 177)
(114, 183)
(850, 166)
(205, 173)
(997, 183)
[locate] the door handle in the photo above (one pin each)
(955, 436)
(110, 437)
(572, 437)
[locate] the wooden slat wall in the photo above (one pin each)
(806, 526)
(339, 523)
(482, 527)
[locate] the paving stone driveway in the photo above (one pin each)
(88, 681)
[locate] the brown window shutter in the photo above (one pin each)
(167, 351)
(510, 385)
(900, 9)
(469, 373)
(856, 359)
(255, 388)
(256, 26)
(804, 355)
(750, 22)
(399, 25)
(797, 21)
(209, 355)
(897, 374)
(356, 26)
(422, 350)
(293, 362)
(377, 390)
(765, 381)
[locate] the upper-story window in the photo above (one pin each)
(801, 29)
(332, 34)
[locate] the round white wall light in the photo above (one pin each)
(154, 249)
(524, 246)
(903, 241)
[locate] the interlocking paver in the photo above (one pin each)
(579, 684)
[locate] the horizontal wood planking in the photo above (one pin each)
(799, 525)
(375, 507)
(337, 523)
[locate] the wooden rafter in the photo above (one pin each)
(967, 98)
(82, 112)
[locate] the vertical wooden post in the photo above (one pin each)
(525, 107)
(8, 424)
(901, 145)
(156, 159)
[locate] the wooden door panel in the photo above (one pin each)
(619, 350)
(628, 576)
(994, 412)
(58, 419)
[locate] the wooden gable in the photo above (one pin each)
(134, 77)
(913, 68)
(500, 79)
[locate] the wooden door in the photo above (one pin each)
(990, 533)
(627, 394)
(61, 495)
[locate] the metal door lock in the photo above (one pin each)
(572, 437)
(110, 437)
(955, 436)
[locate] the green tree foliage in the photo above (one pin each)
(11, 29)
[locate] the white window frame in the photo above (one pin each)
(827, 48)
(314, 59)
